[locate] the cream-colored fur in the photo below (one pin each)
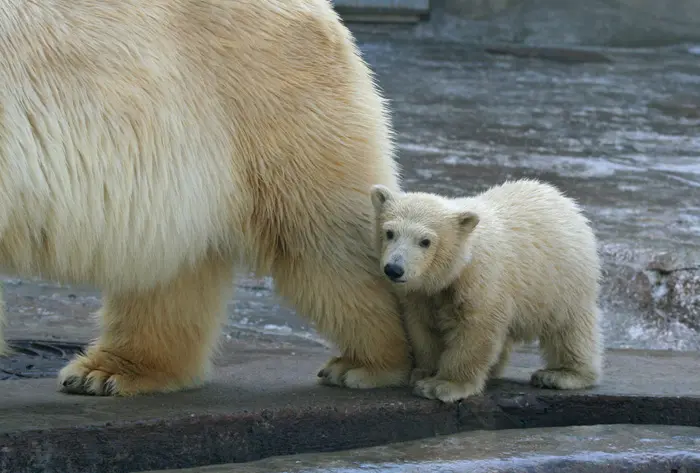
(516, 263)
(148, 147)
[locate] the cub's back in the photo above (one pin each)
(538, 242)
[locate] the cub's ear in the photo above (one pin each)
(467, 221)
(380, 196)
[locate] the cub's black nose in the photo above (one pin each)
(393, 271)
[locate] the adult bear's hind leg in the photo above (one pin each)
(361, 317)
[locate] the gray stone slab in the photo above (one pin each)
(625, 23)
(264, 401)
(580, 449)
(388, 5)
(382, 11)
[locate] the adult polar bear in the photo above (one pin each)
(150, 146)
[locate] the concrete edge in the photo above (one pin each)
(582, 449)
(195, 440)
(650, 461)
(398, 18)
(398, 13)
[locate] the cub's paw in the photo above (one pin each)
(339, 372)
(419, 373)
(100, 373)
(444, 390)
(563, 378)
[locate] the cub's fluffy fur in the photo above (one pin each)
(149, 147)
(516, 263)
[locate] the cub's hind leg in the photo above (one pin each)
(573, 353)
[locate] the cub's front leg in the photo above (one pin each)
(472, 345)
(425, 342)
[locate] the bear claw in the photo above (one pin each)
(332, 374)
(101, 373)
(87, 382)
(339, 372)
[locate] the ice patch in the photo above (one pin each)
(277, 329)
(420, 148)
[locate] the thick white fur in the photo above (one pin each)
(516, 263)
(148, 147)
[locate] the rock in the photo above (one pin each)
(617, 23)
(663, 286)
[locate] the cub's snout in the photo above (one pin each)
(394, 271)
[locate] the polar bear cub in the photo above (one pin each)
(516, 263)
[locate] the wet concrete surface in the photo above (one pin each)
(471, 120)
(622, 137)
(580, 449)
(264, 401)
(28, 359)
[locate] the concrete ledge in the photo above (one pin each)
(382, 11)
(620, 23)
(591, 449)
(265, 402)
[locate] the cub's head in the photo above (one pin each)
(421, 238)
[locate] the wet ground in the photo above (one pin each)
(622, 137)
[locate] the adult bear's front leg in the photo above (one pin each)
(373, 343)
(155, 340)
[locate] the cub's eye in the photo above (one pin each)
(425, 243)
(389, 235)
